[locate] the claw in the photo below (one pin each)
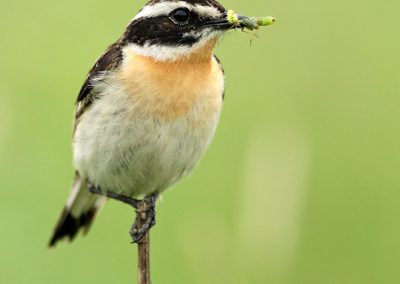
(145, 218)
(145, 212)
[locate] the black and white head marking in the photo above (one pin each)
(167, 30)
(161, 31)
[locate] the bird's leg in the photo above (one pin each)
(145, 211)
(125, 199)
(145, 218)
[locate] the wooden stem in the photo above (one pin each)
(143, 247)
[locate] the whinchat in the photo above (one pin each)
(147, 111)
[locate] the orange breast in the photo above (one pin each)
(172, 89)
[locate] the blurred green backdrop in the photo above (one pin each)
(300, 185)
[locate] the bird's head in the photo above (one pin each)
(171, 30)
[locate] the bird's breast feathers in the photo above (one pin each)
(174, 89)
(149, 124)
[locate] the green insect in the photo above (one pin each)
(265, 21)
(233, 18)
(250, 23)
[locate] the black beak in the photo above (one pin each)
(222, 24)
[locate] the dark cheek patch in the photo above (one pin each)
(161, 30)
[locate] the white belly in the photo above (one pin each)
(129, 151)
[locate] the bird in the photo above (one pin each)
(147, 111)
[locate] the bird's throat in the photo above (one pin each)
(172, 88)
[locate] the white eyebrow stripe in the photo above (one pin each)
(164, 8)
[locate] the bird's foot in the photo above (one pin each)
(145, 218)
(145, 211)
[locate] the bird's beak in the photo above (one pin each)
(223, 23)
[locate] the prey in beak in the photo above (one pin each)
(231, 20)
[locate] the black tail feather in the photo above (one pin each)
(68, 225)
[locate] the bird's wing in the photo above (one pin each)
(223, 72)
(109, 61)
(82, 205)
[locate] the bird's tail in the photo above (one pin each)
(78, 213)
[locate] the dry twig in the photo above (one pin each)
(143, 246)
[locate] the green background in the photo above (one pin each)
(301, 183)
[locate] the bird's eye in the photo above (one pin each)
(180, 16)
